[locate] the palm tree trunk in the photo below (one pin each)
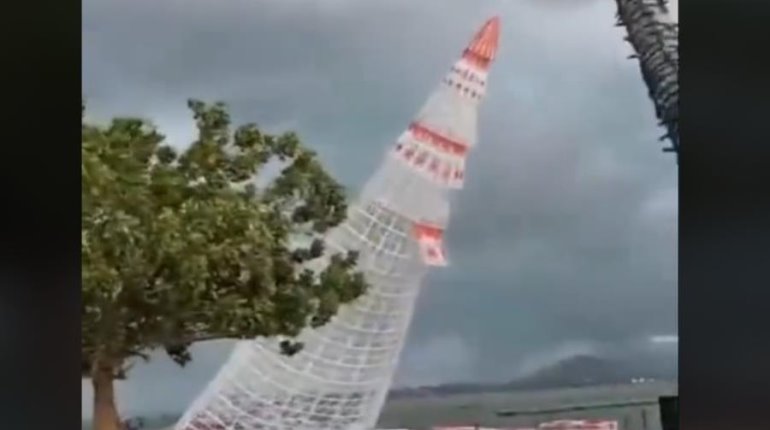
(106, 415)
(654, 37)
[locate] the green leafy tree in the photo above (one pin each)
(182, 247)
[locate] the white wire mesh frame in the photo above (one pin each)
(451, 114)
(339, 381)
(340, 378)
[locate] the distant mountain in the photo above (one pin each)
(576, 371)
(580, 370)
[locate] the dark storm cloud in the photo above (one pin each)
(564, 239)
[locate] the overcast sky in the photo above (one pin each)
(564, 238)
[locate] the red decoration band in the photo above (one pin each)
(424, 134)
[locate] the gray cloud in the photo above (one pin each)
(440, 359)
(566, 232)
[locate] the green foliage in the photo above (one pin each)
(179, 247)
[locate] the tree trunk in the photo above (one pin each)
(105, 412)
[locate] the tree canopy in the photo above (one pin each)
(180, 246)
